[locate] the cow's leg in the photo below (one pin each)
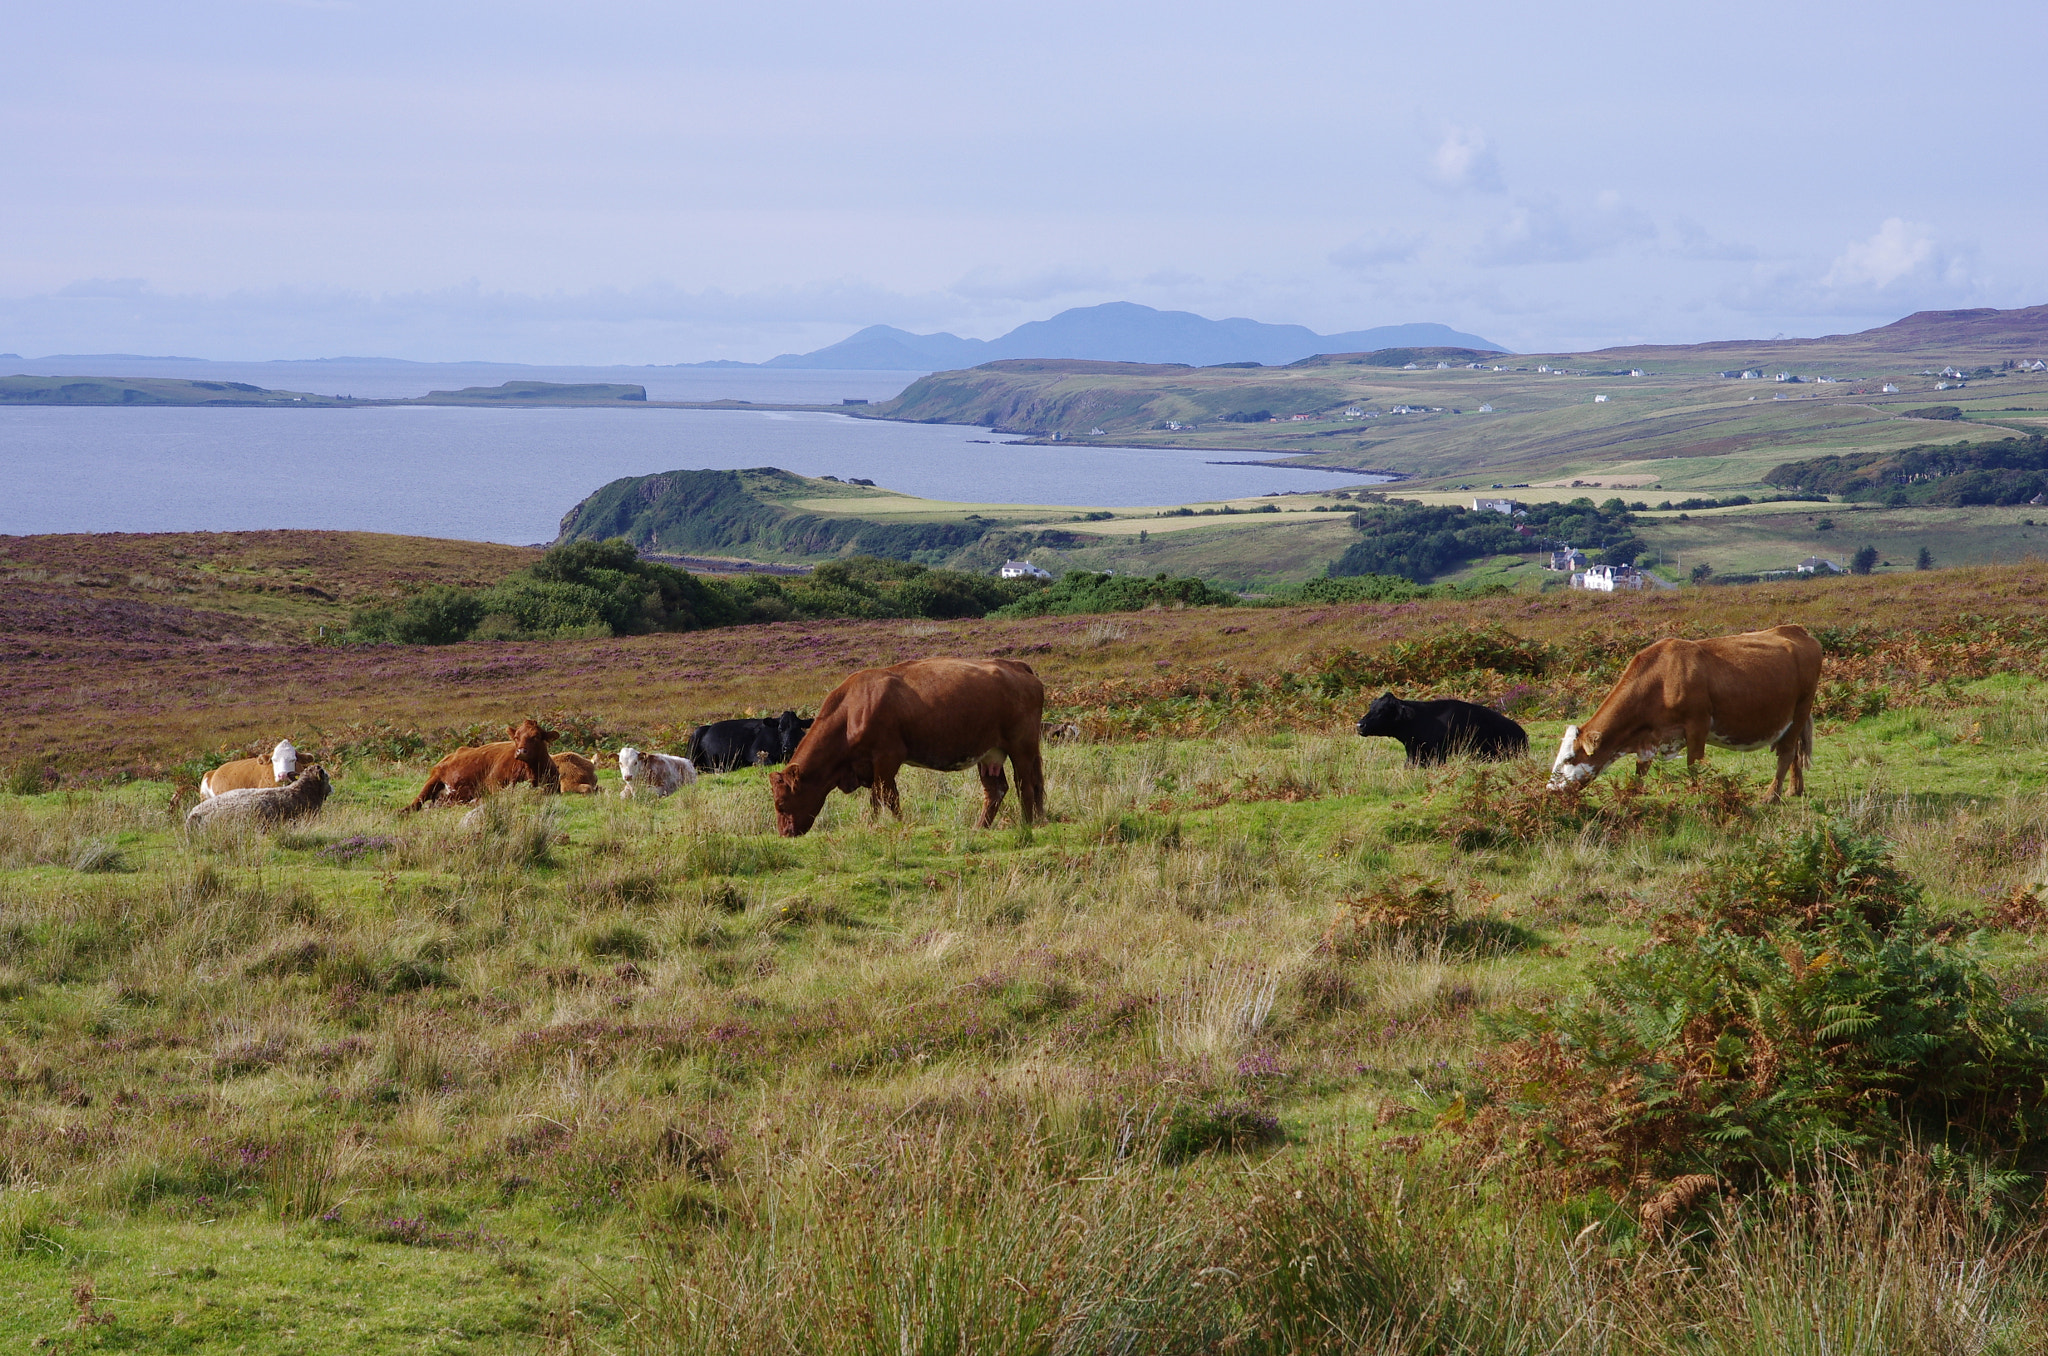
(994, 786)
(882, 794)
(1029, 765)
(1801, 735)
(431, 791)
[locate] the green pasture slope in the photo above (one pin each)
(1678, 422)
(602, 1075)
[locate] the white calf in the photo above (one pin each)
(659, 772)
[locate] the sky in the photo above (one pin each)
(655, 183)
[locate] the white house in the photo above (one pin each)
(1507, 506)
(2035, 366)
(1608, 578)
(1022, 569)
(1637, 372)
(1408, 367)
(1951, 372)
(1752, 375)
(1599, 400)
(1443, 367)
(1950, 385)
(1486, 409)
(1891, 388)
(1816, 565)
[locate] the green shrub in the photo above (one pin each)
(1802, 1004)
(1080, 592)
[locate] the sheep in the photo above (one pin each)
(266, 806)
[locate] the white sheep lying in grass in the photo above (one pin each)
(264, 806)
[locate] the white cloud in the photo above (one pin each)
(1900, 249)
(1462, 160)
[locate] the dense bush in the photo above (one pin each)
(1082, 592)
(1800, 1003)
(591, 588)
(1419, 541)
(2004, 471)
(867, 586)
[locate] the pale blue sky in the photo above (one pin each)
(617, 182)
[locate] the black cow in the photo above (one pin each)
(724, 745)
(1433, 731)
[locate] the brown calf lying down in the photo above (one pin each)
(275, 770)
(469, 773)
(264, 806)
(1746, 692)
(576, 774)
(945, 714)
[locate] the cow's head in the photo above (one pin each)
(284, 761)
(791, 727)
(1383, 717)
(1575, 765)
(530, 746)
(629, 768)
(797, 801)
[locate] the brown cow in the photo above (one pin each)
(1743, 692)
(468, 773)
(576, 774)
(944, 714)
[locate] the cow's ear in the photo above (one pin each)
(548, 736)
(1589, 741)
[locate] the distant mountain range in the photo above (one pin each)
(1118, 331)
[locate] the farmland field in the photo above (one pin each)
(1211, 1061)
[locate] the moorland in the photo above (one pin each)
(1265, 1042)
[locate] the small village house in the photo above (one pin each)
(1022, 569)
(1608, 579)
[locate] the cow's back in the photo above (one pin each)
(1749, 685)
(942, 713)
(243, 774)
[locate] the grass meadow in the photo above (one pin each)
(1216, 1060)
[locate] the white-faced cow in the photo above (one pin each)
(659, 773)
(1745, 692)
(256, 773)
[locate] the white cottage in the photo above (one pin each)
(1022, 569)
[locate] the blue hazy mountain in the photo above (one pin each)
(1120, 331)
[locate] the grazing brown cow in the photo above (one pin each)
(252, 773)
(577, 774)
(1744, 692)
(468, 773)
(945, 714)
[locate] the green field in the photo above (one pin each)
(1211, 1061)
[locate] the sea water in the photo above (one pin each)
(510, 475)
